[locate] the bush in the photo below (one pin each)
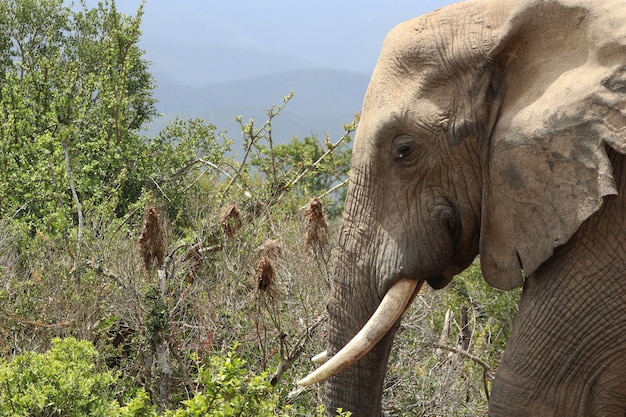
(75, 91)
(229, 391)
(63, 381)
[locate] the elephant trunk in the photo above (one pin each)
(359, 388)
(364, 271)
(386, 315)
(356, 383)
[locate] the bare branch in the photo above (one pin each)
(467, 355)
(321, 158)
(35, 323)
(100, 270)
(160, 189)
(331, 190)
(79, 210)
(287, 361)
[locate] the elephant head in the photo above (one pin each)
(491, 127)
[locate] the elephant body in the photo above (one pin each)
(495, 128)
(567, 352)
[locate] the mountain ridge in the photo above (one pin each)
(323, 100)
(202, 65)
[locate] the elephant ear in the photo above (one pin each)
(558, 105)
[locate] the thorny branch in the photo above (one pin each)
(286, 361)
(254, 135)
(348, 130)
(487, 372)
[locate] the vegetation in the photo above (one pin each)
(169, 275)
(63, 382)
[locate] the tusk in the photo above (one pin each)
(397, 299)
(320, 358)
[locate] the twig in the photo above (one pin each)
(325, 193)
(79, 210)
(467, 355)
(99, 269)
(160, 189)
(487, 372)
(341, 184)
(126, 220)
(22, 207)
(34, 322)
(296, 352)
(316, 163)
(215, 167)
(254, 136)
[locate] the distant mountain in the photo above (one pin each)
(202, 65)
(323, 100)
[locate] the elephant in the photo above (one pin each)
(497, 129)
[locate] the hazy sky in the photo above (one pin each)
(329, 33)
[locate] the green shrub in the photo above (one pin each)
(63, 381)
(229, 391)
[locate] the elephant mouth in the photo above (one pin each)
(391, 308)
(439, 282)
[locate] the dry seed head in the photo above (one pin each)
(151, 243)
(231, 220)
(316, 226)
(265, 277)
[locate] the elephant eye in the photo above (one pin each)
(404, 149)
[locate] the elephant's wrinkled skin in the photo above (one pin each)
(497, 127)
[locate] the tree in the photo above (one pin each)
(75, 90)
(306, 166)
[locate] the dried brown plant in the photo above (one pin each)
(316, 226)
(231, 220)
(151, 243)
(265, 277)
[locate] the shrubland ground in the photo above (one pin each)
(174, 275)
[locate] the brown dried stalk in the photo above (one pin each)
(151, 243)
(316, 226)
(265, 277)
